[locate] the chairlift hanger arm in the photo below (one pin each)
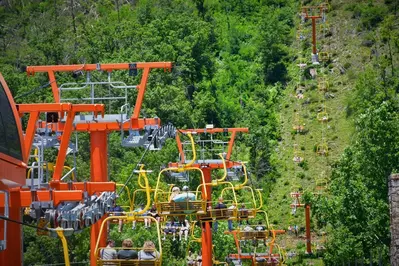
(147, 188)
(233, 132)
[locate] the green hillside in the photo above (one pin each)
(236, 65)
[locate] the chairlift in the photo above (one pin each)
(323, 85)
(324, 56)
(322, 149)
(322, 116)
(128, 217)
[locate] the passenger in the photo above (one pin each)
(148, 252)
(219, 206)
(175, 192)
(243, 212)
(117, 211)
(260, 227)
(146, 221)
(109, 253)
(199, 259)
(127, 252)
(191, 258)
(296, 231)
(170, 228)
(184, 230)
(153, 213)
(247, 228)
(231, 214)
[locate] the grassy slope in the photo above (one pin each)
(346, 51)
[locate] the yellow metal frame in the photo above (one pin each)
(126, 188)
(323, 116)
(60, 233)
(129, 217)
(298, 155)
(323, 85)
(322, 149)
(324, 56)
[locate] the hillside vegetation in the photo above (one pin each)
(235, 65)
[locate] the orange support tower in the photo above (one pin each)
(207, 165)
(318, 13)
(296, 195)
(98, 128)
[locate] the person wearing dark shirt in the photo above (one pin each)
(222, 209)
(117, 211)
(153, 213)
(243, 214)
(127, 253)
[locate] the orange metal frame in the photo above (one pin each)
(10, 168)
(146, 67)
(251, 257)
(307, 220)
(305, 10)
(61, 191)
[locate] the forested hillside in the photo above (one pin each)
(235, 65)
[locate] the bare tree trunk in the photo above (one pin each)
(73, 17)
(394, 212)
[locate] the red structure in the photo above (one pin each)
(207, 165)
(313, 13)
(297, 195)
(14, 153)
(271, 258)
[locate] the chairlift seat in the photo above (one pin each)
(246, 214)
(253, 235)
(181, 208)
(218, 214)
(132, 262)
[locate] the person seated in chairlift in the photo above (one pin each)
(108, 253)
(243, 213)
(116, 210)
(260, 226)
(153, 213)
(148, 252)
(184, 229)
(175, 192)
(170, 228)
(299, 96)
(199, 259)
(146, 221)
(187, 194)
(191, 258)
(297, 159)
(127, 253)
(219, 206)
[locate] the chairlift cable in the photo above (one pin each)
(24, 224)
(138, 163)
(34, 90)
